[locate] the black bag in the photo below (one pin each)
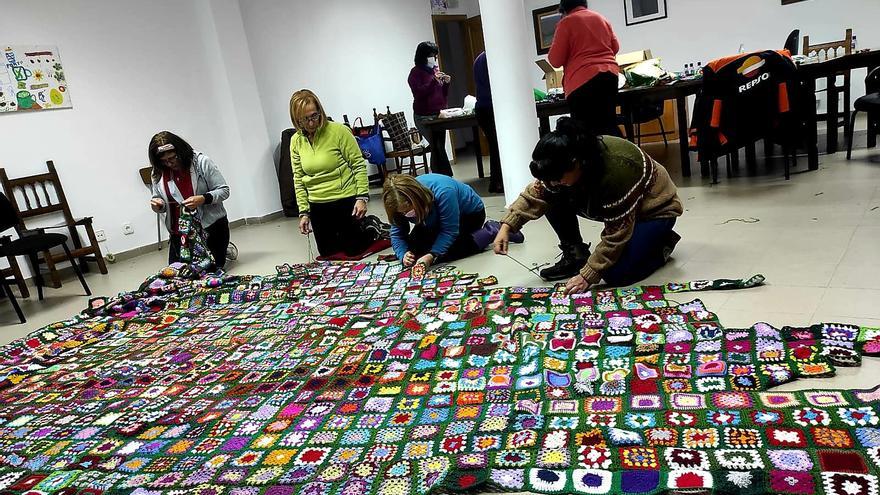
(285, 176)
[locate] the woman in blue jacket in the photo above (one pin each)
(435, 217)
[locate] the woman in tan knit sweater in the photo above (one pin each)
(606, 179)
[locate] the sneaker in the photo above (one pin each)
(231, 252)
(671, 242)
(574, 257)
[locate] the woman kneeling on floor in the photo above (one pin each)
(330, 178)
(183, 178)
(606, 179)
(436, 218)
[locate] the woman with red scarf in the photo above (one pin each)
(186, 178)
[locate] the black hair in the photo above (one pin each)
(182, 149)
(566, 6)
(424, 50)
(560, 151)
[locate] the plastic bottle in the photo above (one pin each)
(699, 69)
(684, 72)
(855, 44)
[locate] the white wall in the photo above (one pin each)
(702, 30)
(241, 109)
(354, 55)
(135, 68)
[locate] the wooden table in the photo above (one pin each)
(808, 74)
(439, 126)
(628, 98)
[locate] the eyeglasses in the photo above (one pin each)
(313, 117)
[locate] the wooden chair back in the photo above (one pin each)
(147, 176)
(36, 195)
(830, 49)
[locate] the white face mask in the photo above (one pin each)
(432, 62)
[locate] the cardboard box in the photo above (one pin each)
(552, 75)
(626, 59)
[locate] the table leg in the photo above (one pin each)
(812, 139)
(681, 107)
(751, 156)
(478, 150)
(872, 123)
(831, 115)
(628, 128)
(435, 137)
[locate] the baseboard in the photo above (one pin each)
(67, 271)
(275, 215)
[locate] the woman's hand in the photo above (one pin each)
(409, 259)
(157, 204)
(576, 285)
(502, 239)
(444, 78)
(426, 260)
(305, 225)
(360, 209)
(194, 202)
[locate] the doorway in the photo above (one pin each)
(460, 40)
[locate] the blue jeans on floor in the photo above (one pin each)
(643, 254)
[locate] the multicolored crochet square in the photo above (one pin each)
(360, 379)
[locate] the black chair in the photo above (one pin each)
(870, 104)
(29, 243)
(793, 41)
(643, 113)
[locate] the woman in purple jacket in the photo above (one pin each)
(430, 87)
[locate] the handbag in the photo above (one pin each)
(369, 140)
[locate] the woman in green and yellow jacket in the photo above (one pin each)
(330, 179)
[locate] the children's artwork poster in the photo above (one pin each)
(32, 78)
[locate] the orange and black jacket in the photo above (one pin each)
(745, 98)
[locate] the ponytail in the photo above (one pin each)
(558, 152)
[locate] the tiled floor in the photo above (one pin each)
(817, 239)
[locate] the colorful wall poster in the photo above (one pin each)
(32, 78)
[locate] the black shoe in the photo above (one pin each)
(574, 257)
(670, 244)
(496, 188)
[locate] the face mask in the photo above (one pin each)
(557, 188)
(432, 62)
(410, 214)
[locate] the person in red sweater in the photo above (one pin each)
(585, 46)
(430, 87)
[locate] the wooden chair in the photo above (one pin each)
(147, 178)
(830, 50)
(30, 243)
(38, 201)
(404, 141)
(14, 271)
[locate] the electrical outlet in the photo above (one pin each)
(100, 235)
(127, 229)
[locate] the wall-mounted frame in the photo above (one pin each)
(545, 20)
(641, 11)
